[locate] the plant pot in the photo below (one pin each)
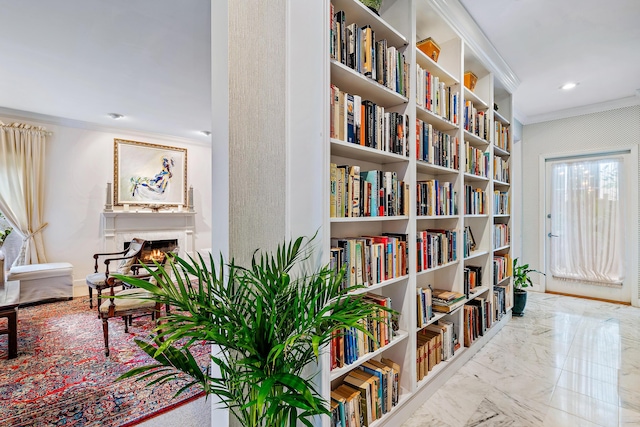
(374, 5)
(519, 303)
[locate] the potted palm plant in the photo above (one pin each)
(521, 280)
(270, 321)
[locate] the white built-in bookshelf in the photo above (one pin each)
(443, 163)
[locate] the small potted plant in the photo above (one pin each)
(521, 280)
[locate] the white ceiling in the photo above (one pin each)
(550, 42)
(83, 59)
(150, 59)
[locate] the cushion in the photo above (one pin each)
(127, 303)
(96, 279)
(125, 264)
(40, 271)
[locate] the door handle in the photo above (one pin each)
(552, 235)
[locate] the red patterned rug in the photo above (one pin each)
(62, 377)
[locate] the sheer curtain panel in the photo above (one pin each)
(22, 154)
(586, 215)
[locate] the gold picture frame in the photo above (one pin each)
(147, 174)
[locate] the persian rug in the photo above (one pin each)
(62, 377)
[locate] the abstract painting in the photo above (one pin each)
(149, 174)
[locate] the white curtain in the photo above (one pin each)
(587, 218)
(22, 154)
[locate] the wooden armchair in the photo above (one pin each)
(130, 302)
(127, 258)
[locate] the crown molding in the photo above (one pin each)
(629, 101)
(459, 19)
(46, 119)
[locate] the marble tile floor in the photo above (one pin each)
(567, 362)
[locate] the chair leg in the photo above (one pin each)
(12, 327)
(90, 297)
(126, 324)
(105, 332)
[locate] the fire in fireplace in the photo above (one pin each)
(155, 250)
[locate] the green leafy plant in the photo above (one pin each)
(270, 321)
(521, 278)
(5, 229)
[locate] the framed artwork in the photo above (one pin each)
(149, 174)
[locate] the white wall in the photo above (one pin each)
(78, 166)
(590, 132)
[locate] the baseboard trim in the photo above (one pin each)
(591, 298)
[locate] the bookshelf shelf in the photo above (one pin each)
(436, 69)
(425, 217)
(502, 248)
(479, 103)
(476, 254)
(353, 82)
(437, 121)
(477, 216)
(473, 177)
(500, 118)
(500, 152)
(424, 167)
(347, 149)
(338, 372)
(501, 183)
(500, 282)
(402, 399)
(436, 316)
(502, 215)
(475, 140)
(440, 267)
(359, 13)
(477, 291)
(370, 219)
(380, 285)
(440, 368)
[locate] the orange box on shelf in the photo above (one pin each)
(470, 80)
(429, 48)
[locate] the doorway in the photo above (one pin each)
(589, 201)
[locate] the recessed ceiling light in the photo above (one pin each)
(205, 132)
(568, 86)
(115, 116)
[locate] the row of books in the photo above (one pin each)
(477, 319)
(436, 147)
(366, 394)
(370, 259)
(348, 345)
(477, 122)
(501, 136)
(501, 235)
(472, 278)
(474, 201)
(501, 204)
(362, 122)
(477, 161)
(436, 198)
(435, 248)
(435, 96)
(500, 169)
(502, 268)
(435, 343)
(356, 47)
(356, 193)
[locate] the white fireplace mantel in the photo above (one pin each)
(122, 226)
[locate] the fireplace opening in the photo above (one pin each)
(155, 250)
